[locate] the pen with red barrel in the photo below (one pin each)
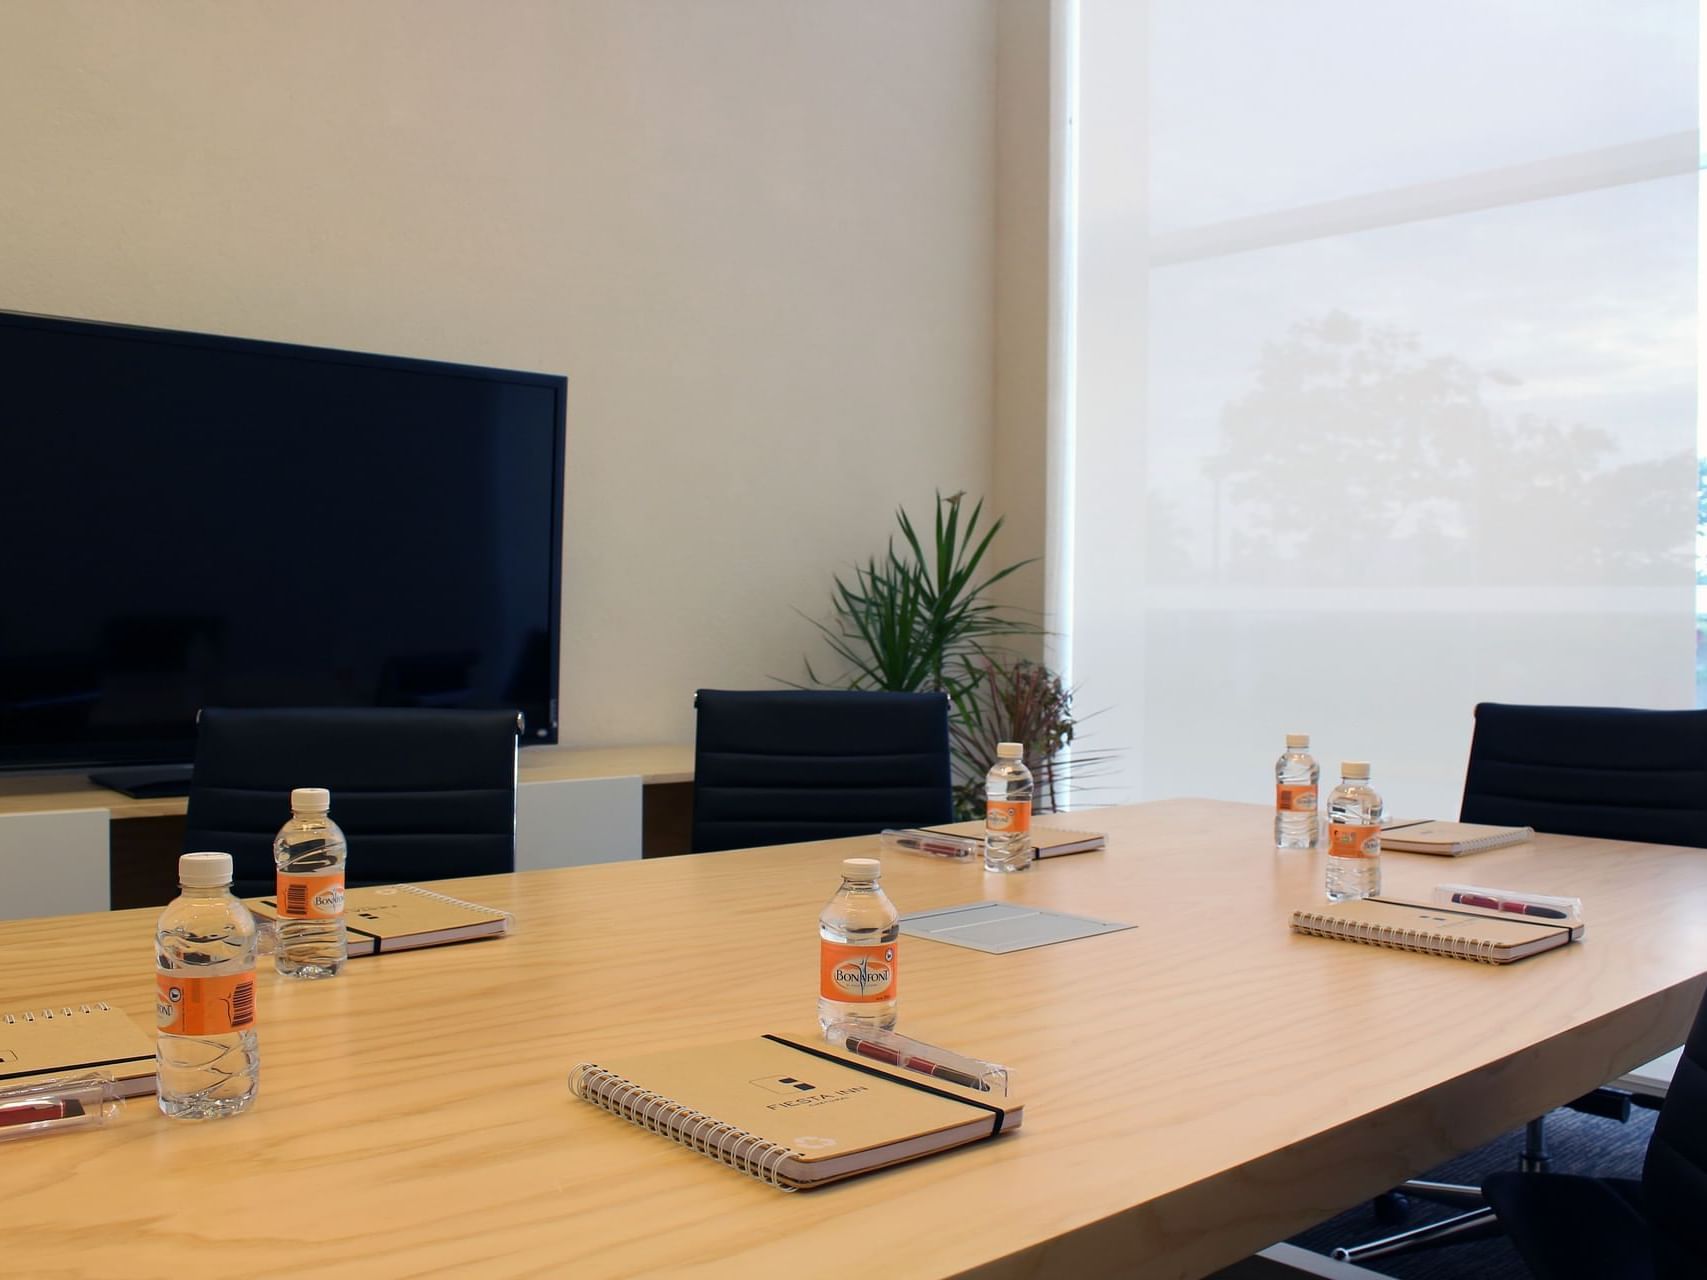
(35, 1111)
(1504, 904)
(49, 1106)
(883, 1053)
(942, 845)
(42, 1115)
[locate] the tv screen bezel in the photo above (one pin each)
(46, 757)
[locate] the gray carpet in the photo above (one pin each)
(1578, 1143)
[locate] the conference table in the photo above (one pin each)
(1196, 1087)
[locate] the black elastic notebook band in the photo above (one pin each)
(998, 1112)
(80, 1066)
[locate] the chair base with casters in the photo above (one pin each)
(1568, 1227)
(1478, 1221)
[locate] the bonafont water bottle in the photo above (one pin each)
(1354, 835)
(310, 851)
(1296, 776)
(1007, 811)
(204, 975)
(859, 936)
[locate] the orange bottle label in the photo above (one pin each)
(1294, 798)
(311, 897)
(1347, 840)
(1007, 817)
(858, 975)
(187, 1005)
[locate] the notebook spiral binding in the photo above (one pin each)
(1380, 935)
(418, 891)
(725, 1143)
(47, 1015)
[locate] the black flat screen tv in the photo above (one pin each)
(191, 521)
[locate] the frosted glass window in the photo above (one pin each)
(1386, 379)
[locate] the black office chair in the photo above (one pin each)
(420, 793)
(786, 765)
(1609, 772)
(1578, 1228)
(1614, 773)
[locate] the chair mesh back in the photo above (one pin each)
(420, 793)
(779, 766)
(1609, 772)
(1674, 1176)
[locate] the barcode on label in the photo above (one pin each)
(296, 900)
(243, 1004)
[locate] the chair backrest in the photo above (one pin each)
(1674, 1175)
(778, 766)
(1609, 772)
(420, 793)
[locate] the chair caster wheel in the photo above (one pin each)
(1391, 1208)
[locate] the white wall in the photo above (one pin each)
(757, 236)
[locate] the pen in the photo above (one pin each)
(883, 1053)
(57, 1112)
(1499, 904)
(943, 846)
(32, 1112)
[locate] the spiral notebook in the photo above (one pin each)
(1048, 841)
(401, 917)
(1487, 936)
(790, 1113)
(1450, 839)
(74, 1040)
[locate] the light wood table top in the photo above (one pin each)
(1196, 1088)
(56, 792)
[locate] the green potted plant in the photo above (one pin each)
(918, 618)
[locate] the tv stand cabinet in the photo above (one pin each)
(623, 802)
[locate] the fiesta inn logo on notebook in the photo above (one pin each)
(802, 1093)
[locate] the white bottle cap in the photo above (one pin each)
(1354, 769)
(865, 869)
(1297, 739)
(310, 800)
(204, 870)
(1010, 751)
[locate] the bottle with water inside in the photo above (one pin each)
(859, 935)
(1007, 811)
(204, 975)
(309, 851)
(1296, 775)
(1354, 835)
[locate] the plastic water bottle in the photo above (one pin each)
(1007, 811)
(1354, 835)
(859, 938)
(310, 852)
(204, 977)
(1296, 775)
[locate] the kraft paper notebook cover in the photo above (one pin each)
(791, 1112)
(1451, 839)
(1487, 936)
(1049, 841)
(71, 1040)
(400, 917)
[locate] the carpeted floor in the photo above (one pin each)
(1578, 1143)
